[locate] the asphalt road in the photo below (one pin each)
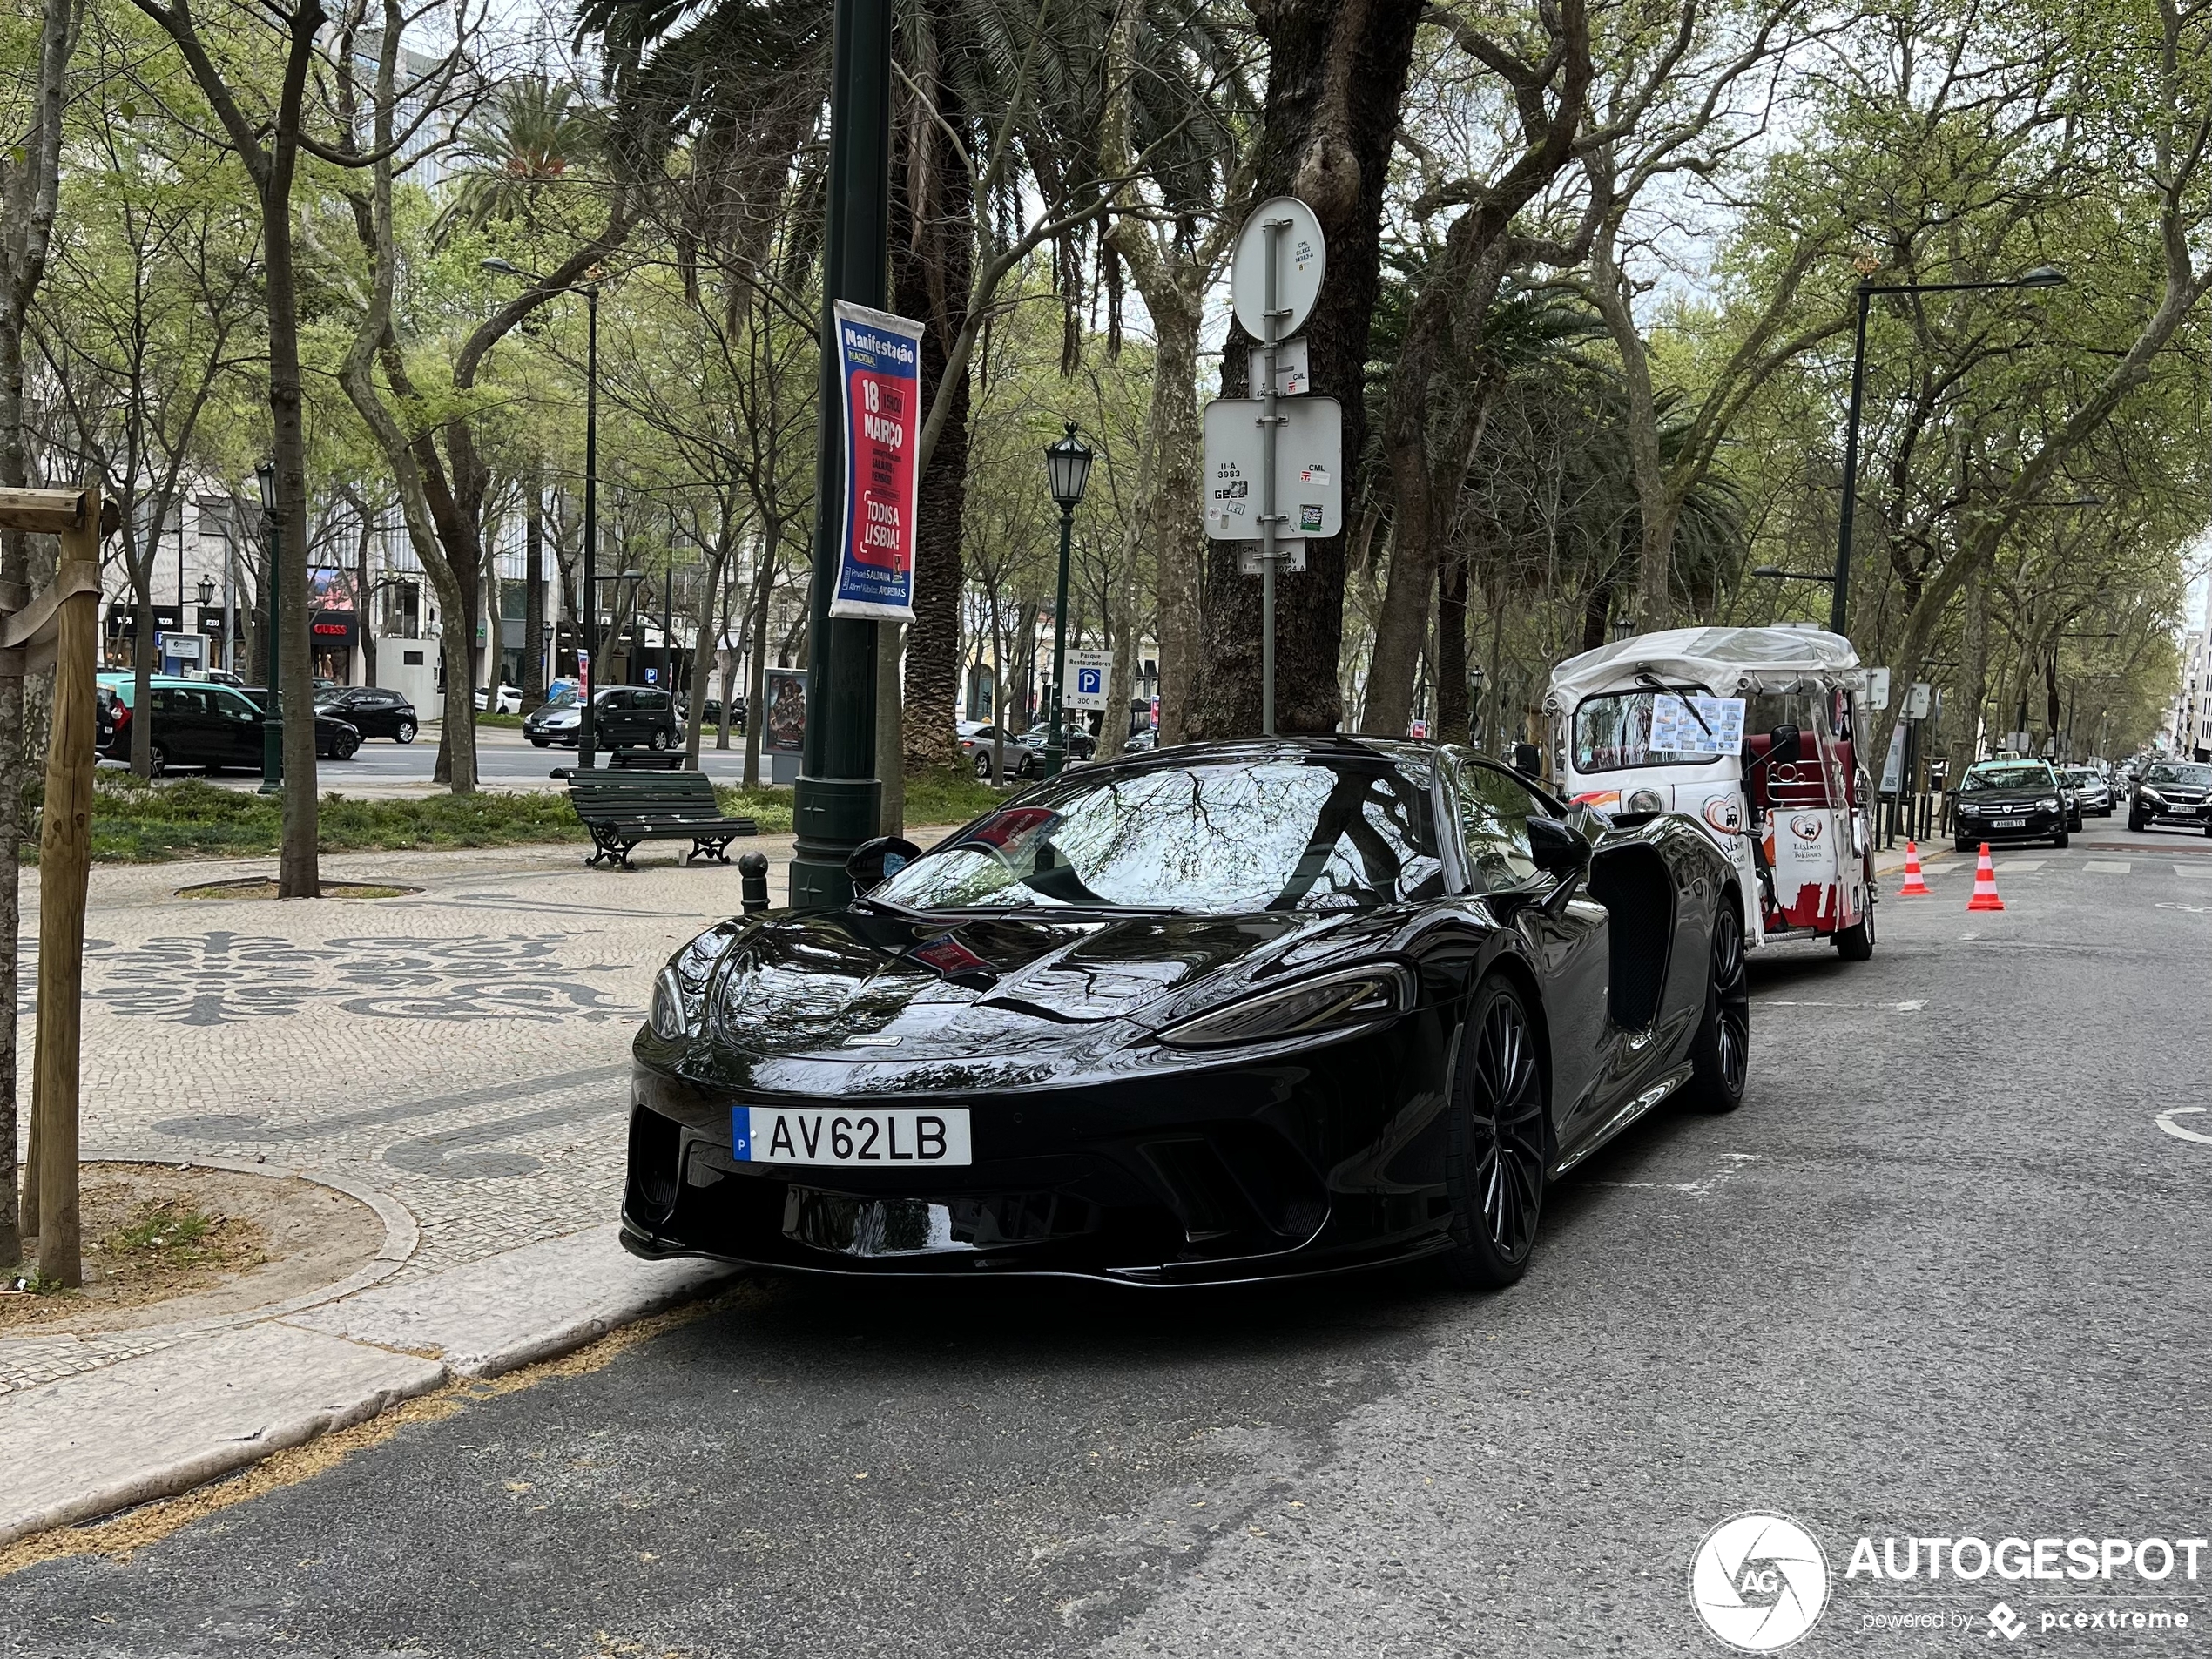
(504, 757)
(1943, 1276)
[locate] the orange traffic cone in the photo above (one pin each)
(1984, 884)
(1914, 888)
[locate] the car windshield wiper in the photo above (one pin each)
(1653, 683)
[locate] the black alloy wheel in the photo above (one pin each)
(157, 758)
(348, 746)
(1494, 1162)
(404, 732)
(1720, 1055)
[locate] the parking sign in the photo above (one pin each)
(1090, 675)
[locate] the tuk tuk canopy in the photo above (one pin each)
(1728, 662)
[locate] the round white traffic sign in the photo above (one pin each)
(1301, 259)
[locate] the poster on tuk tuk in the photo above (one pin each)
(1696, 726)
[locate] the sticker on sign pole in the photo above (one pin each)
(880, 388)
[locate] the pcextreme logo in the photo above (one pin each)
(1758, 1581)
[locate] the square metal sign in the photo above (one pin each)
(1309, 469)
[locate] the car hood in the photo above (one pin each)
(2007, 797)
(874, 988)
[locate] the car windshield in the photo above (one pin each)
(1614, 731)
(1324, 832)
(563, 698)
(2187, 776)
(2018, 774)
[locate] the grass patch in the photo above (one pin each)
(505, 722)
(947, 795)
(134, 822)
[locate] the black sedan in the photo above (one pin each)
(335, 739)
(1210, 1015)
(2173, 792)
(373, 710)
(2009, 800)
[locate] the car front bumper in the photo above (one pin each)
(1327, 1161)
(2033, 827)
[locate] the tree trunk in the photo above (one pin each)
(1336, 71)
(756, 712)
(933, 257)
(1451, 650)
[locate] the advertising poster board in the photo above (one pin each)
(880, 390)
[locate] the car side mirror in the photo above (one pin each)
(1558, 850)
(1784, 745)
(872, 861)
(1527, 760)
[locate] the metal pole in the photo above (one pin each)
(229, 592)
(838, 803)
(1839, 600)
(1055, 748)
(1269, 421)
(271, 721)
(585, 750)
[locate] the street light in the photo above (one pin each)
(1067, 463)
(1474, 702)
(206, 592)
(265, 480)
(589, 633)
(2043, 276)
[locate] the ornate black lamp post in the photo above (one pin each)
(1067, 465)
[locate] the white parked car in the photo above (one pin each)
(509, 700)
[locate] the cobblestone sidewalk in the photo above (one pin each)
(464, 1049)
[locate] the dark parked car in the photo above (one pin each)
(198, 724)
(1218, 1014)
(2173, 792)
(623, 717)
(373, 710)
(2010, 800)
(335, 739)
(710, 715)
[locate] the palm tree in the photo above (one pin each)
(517, 154)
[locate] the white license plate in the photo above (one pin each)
(845, 1138)
(2009, 823)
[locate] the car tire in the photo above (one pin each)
(660, 740)
(1720, 1055)
(1960, 844)
(348, 747)
(2074, 824)
(157, 758)
(540, 743)
(1855, 944)
(2060, 841)
(983, 768)
(404, 731)
(1498, 1144)
(2136, 824)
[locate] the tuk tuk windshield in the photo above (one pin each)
(1613, 730)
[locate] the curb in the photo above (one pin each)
(220, 1400)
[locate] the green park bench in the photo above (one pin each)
(622, 809)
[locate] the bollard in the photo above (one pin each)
(752, 882)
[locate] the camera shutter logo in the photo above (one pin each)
(1759, 1582)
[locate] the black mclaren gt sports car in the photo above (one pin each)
(1207, 1014)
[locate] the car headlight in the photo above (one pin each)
(2151, 795)
(1969, 809)
(1354, 997)
(679, 990)
(2048, 803)
(1644, 801)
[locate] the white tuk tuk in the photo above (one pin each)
(1736, 727)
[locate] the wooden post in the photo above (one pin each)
(64, 871)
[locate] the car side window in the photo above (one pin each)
(231, 706)
(654, 700)
(1495, 811)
